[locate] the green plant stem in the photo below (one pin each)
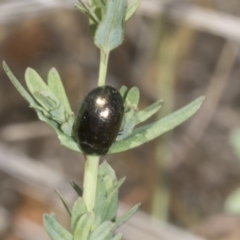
(90, 181)
(103, 68)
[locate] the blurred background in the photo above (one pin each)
(175, 50)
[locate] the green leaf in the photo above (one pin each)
(105, 184)
(46, 102)
(102, 232)
(56, 86)
(98, 11)
(130, 115)
(84, 8)
(34, 82)
(65, 204)
(132, 9)
(77, 188)
(43, 111)
(118, 237)
(49, 102)
(59, 116)
(79, 208)
(68, 142)
(54, 230)
(109, 209)
(67, 126)
(45, 119)
(94, 17)
(20, 88)
(100, 199)
(44, 95)
(125, 216)
(109, 183)
(83, 227)
(123, 91)
(110, 30)
(147, 112)
(106, 170)
(148, 132)
(132, 98)
(65, 140)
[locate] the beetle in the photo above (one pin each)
(99, 119)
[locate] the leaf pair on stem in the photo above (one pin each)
(98, 224)
(52, 106)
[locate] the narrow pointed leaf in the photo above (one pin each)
(125, 217)
(48, 103)
(132, 98)
(90, 11)
(77, 188)
(52, 100)
(64, 202)
(68, 142)
(83, 227)
(102, 232)
(123, 91)
(67, 126)
(106, 170)
(42, 110)
(54, 230)
(147, 112)
(118, 237)
(109, 183)
(130, 115)
(55, 84)
(110, 31)
(46, 100)
(19, 87)
(79, 208)
(109, 209)
(132, 8)
(117, 185)
(45, 119)
(101, 197)
(65, 140)
(148, 132)
(34, 81)
(84, 8)
(59, 115)
(105, 185)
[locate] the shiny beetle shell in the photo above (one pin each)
(99, 120)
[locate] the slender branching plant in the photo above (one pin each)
(105, 124)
